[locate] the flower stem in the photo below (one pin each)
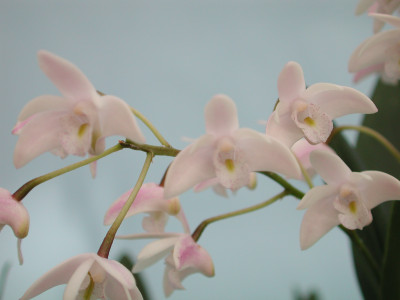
(285, 184)
(156, 150)
(105, 247)
(154, 130)
(352, 234)
(27, 187)
(199, 230)
(373, 133)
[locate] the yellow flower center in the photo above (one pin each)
(353, 207)
(82, 129)
(309, 121)
(230, 165)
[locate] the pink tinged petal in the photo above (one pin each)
(14, 214)
(315, 124)
(317, 221)
(367, 71)
(284, 129)
(205, 184)
(230, 166)
(155, 222)
(363, 6)
(75, 282)
(153, 252)
(316, 194)
(386, 18)
(56, 276)
(263, 153)
(290, 82)
(71, 82)
(188, 254)
(116, 118)
(172, 280)
(337, 101)
(221, 116)
(330, 167)
(383, 187)
(191, 166)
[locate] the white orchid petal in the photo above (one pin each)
(290, 82)
(263, 153)
(386, 18)
(317, 221)
(191, 166)
(284, 130)
(74, 284)
(117, 271)
(113, 288)
(316, 194)
(56, 276)
(329, 166)
(19, 250)
(43, 103)
(337, 101)
(71, 82)
(116, 118)
(383, 187)
(14, 214)
(221, 116)
(153, 252)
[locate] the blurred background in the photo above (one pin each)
(167, 59)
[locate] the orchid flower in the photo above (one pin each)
(227, 153)
(309, 112)
(185, 256)
(377, 6)
(76, 123)
(15, 215)
(302, 150)
(219, 189)
(379, 53)
(88, 276)
(346, 199)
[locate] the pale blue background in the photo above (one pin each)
(167, 59)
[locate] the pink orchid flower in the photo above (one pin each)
(227, 153)
(76, 123)
(346, 199)
(15, 215)
(88, 276)
(379, 53)
(377, 6)
(309, 112)
(185, 256)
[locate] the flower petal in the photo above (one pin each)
(56, 276)
(191, 166)
(153, 252)
(283, 129)
(317, 193)
(75, 282)
(71, 82)
(330, 167)
(389, 19)
(221, 116)
(290, 82)
(116, 118)
(318, 220)
(337, 101)
(363, 5)
(263, 153)
(383, 187)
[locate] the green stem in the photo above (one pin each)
(373, 133)
(154, 130)
(156, 150)
(285, 184)
(27, 187)
(105, 247)
(352, 234)
(199, 230)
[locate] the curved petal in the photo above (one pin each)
(153, 252)
(383, 187)
(337, 101)
(114, 288)
(373, 50)
(117, 271)
(329, 166)
(317, 193)
(191, 166)
(367, 71)
(71, 82)
(284, 129)
(221, 116)
(290, 82)
(43, 103)
(74, 284)
(116, 118)
(14, 214)
(188, 254)
(317, 221)
(389, 19)
(263, 153)
(56, 276)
